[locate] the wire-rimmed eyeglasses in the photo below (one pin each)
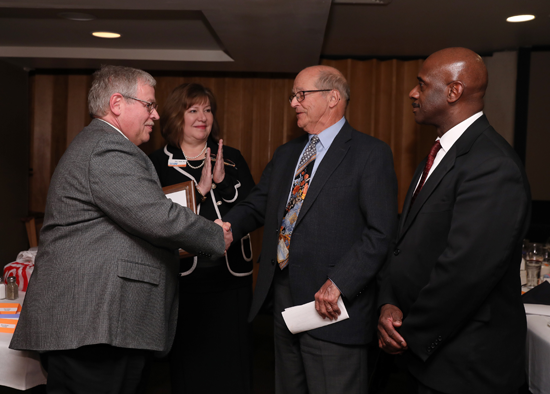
(150, 106)
(300, 96)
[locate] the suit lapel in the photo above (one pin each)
(431, 184)
(461, 147)
(408, 197)
(332, 159)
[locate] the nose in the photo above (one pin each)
(154, 115)
(294, 103)
(202, 116)
(413, 94)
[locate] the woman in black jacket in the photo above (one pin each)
(211, 351)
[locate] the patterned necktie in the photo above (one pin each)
(300, 187)
(427, 167)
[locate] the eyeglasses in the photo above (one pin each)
(150, 106)
(300, 96)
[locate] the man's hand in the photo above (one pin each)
(389, 340)
(227, 234)
(326, 301)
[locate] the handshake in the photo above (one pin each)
(227, 234)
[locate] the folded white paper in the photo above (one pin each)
(537, 309)
(304, 317)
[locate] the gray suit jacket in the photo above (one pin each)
(343, 230)
(106, 269)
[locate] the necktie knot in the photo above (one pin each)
(310, 151)
(433, 152)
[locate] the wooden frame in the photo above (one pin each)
(189, 188)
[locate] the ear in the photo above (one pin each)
(334, 98)
(115, 103)
(454, 91)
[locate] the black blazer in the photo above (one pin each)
(454, 270)
(235, 187)
(342, 232)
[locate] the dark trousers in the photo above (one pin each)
(95, 369)
(306, 365)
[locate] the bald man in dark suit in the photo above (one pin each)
(450, 300)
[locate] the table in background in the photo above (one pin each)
(19, 369)
(538, 354)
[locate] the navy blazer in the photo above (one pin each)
(343, 230)
(454, 270)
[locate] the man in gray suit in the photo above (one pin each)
(328, 202)
(103, 294)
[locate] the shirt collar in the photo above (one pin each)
(329, 134)
(113, 127)
(451, 136)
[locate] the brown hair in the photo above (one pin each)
(181, 99)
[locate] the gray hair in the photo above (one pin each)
(114, 79)
(329, 79)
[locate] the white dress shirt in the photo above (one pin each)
(448, 140)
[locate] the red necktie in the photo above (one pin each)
(427, 167)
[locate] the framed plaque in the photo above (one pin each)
(183, 194)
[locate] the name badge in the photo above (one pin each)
(177, 163)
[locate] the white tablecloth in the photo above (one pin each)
(19, 369)
(538, 354)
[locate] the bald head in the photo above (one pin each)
(462, 64)
(452, 83)
(320, 96)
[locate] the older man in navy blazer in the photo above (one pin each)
(451, 292)
(338, 241)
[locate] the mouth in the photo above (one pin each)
(415, 106)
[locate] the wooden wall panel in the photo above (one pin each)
(41, 135)
(380, 107)
(253, 113)
(77, 112)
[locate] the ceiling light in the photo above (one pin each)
(105, 34)
(77, 16)
(520, 18)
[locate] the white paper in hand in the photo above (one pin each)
(304, 317)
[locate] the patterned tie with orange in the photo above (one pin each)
(299, 190)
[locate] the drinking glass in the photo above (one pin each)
(533, 263)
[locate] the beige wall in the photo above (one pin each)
(500, 99)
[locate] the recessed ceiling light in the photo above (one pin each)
(77, 16)
(105, 34)
(520, 18)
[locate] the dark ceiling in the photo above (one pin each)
(257, 35)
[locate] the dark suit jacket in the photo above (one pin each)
(106, 271)
(454, 270)
(235, 187)
(342, 232)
